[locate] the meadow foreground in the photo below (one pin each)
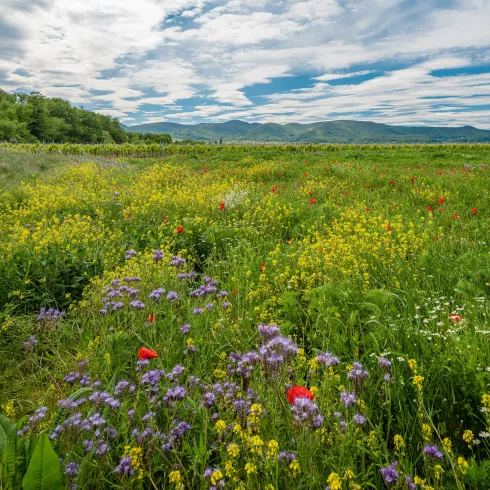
(259, 319)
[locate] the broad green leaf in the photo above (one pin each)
(44, 471)
(7, 428)
(13, 462)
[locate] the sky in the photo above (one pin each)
(402, 62)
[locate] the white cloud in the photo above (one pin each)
(164, 52)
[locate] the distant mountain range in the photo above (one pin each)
(321, 132)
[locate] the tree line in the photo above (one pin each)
(32, 118)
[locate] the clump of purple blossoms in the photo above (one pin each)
(390, 474)
(71, 469)
(156, 293)
(432, 451)
(177, 261)
(175, 373)
(357, 375)
(197, 311)
(306, 413)
(124, 468)
(130, 253)
(348, 399)
(29, 344)
(208, 399)
(34, 420)
(172, 296)
(359, 419)
(268, 332)
(138, 305)
(185, 328)
(174, 395)
(209, 306)
(157, 256)
(328, 359)
(409, 483)
(276, 353)
(50, 317)
(286, 457)
(384, 363)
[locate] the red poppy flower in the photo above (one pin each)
(179, 229)
(454, 216)
(412, 179)
(455, 318)
(312, 201)
(429, 208)
(474, 210)
(222, 206)
(367, 210)
(145, 353)
(441, 200)
(388, 227)
(152, 318)
(165, 220)
(262, 267)
(299, 392)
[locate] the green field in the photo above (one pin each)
(360, 274)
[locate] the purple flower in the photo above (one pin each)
(306, 413)
(71, 469)
(348, 399)
(137, 305)
(157, 256)
(389, 473)
(384, 363)
(432, 451)
(185, 328)
(197, 311)
(124, 468)
(357, 375)
(172, 296)
(175, 373)
(226, 305)
(209, 306)
(131, 253)
(409, 483)
(174, 395)
(29, 344)
(155, 294)
(286, 457)
(328, 359)
(359, 419)
(181, 429)
(88, 445)
(177, 261)
(208, 399)
(268, 332)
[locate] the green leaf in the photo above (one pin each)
(7, 428)
(44, 471)
(13, 462)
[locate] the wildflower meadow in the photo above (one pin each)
(247, 318)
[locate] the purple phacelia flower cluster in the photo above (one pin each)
(357, 375)
(432, 451)
(156, 293)
(306, 413)
(29, 344)
(390, 474)
(327, 359)
(130, 253)
(177, 261)
(50, 317)
(157, 256)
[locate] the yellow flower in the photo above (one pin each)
(272, 449)
(438, 470)
(314, 390)
(334, 481)
(9, 409)
(256, 444)
(220, 426)
(250, 468)
(427, 431)
(419, 481)
(418, 381)
(399, 442)
(412, 364)
(462, 465)
(447, 444)
(485, 400)
(216, 477)
(107, 358)
(294, 467)
(349, 475)
(176, 478)
(468, 436)
(233, 451)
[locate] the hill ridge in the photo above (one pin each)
(337, 131)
